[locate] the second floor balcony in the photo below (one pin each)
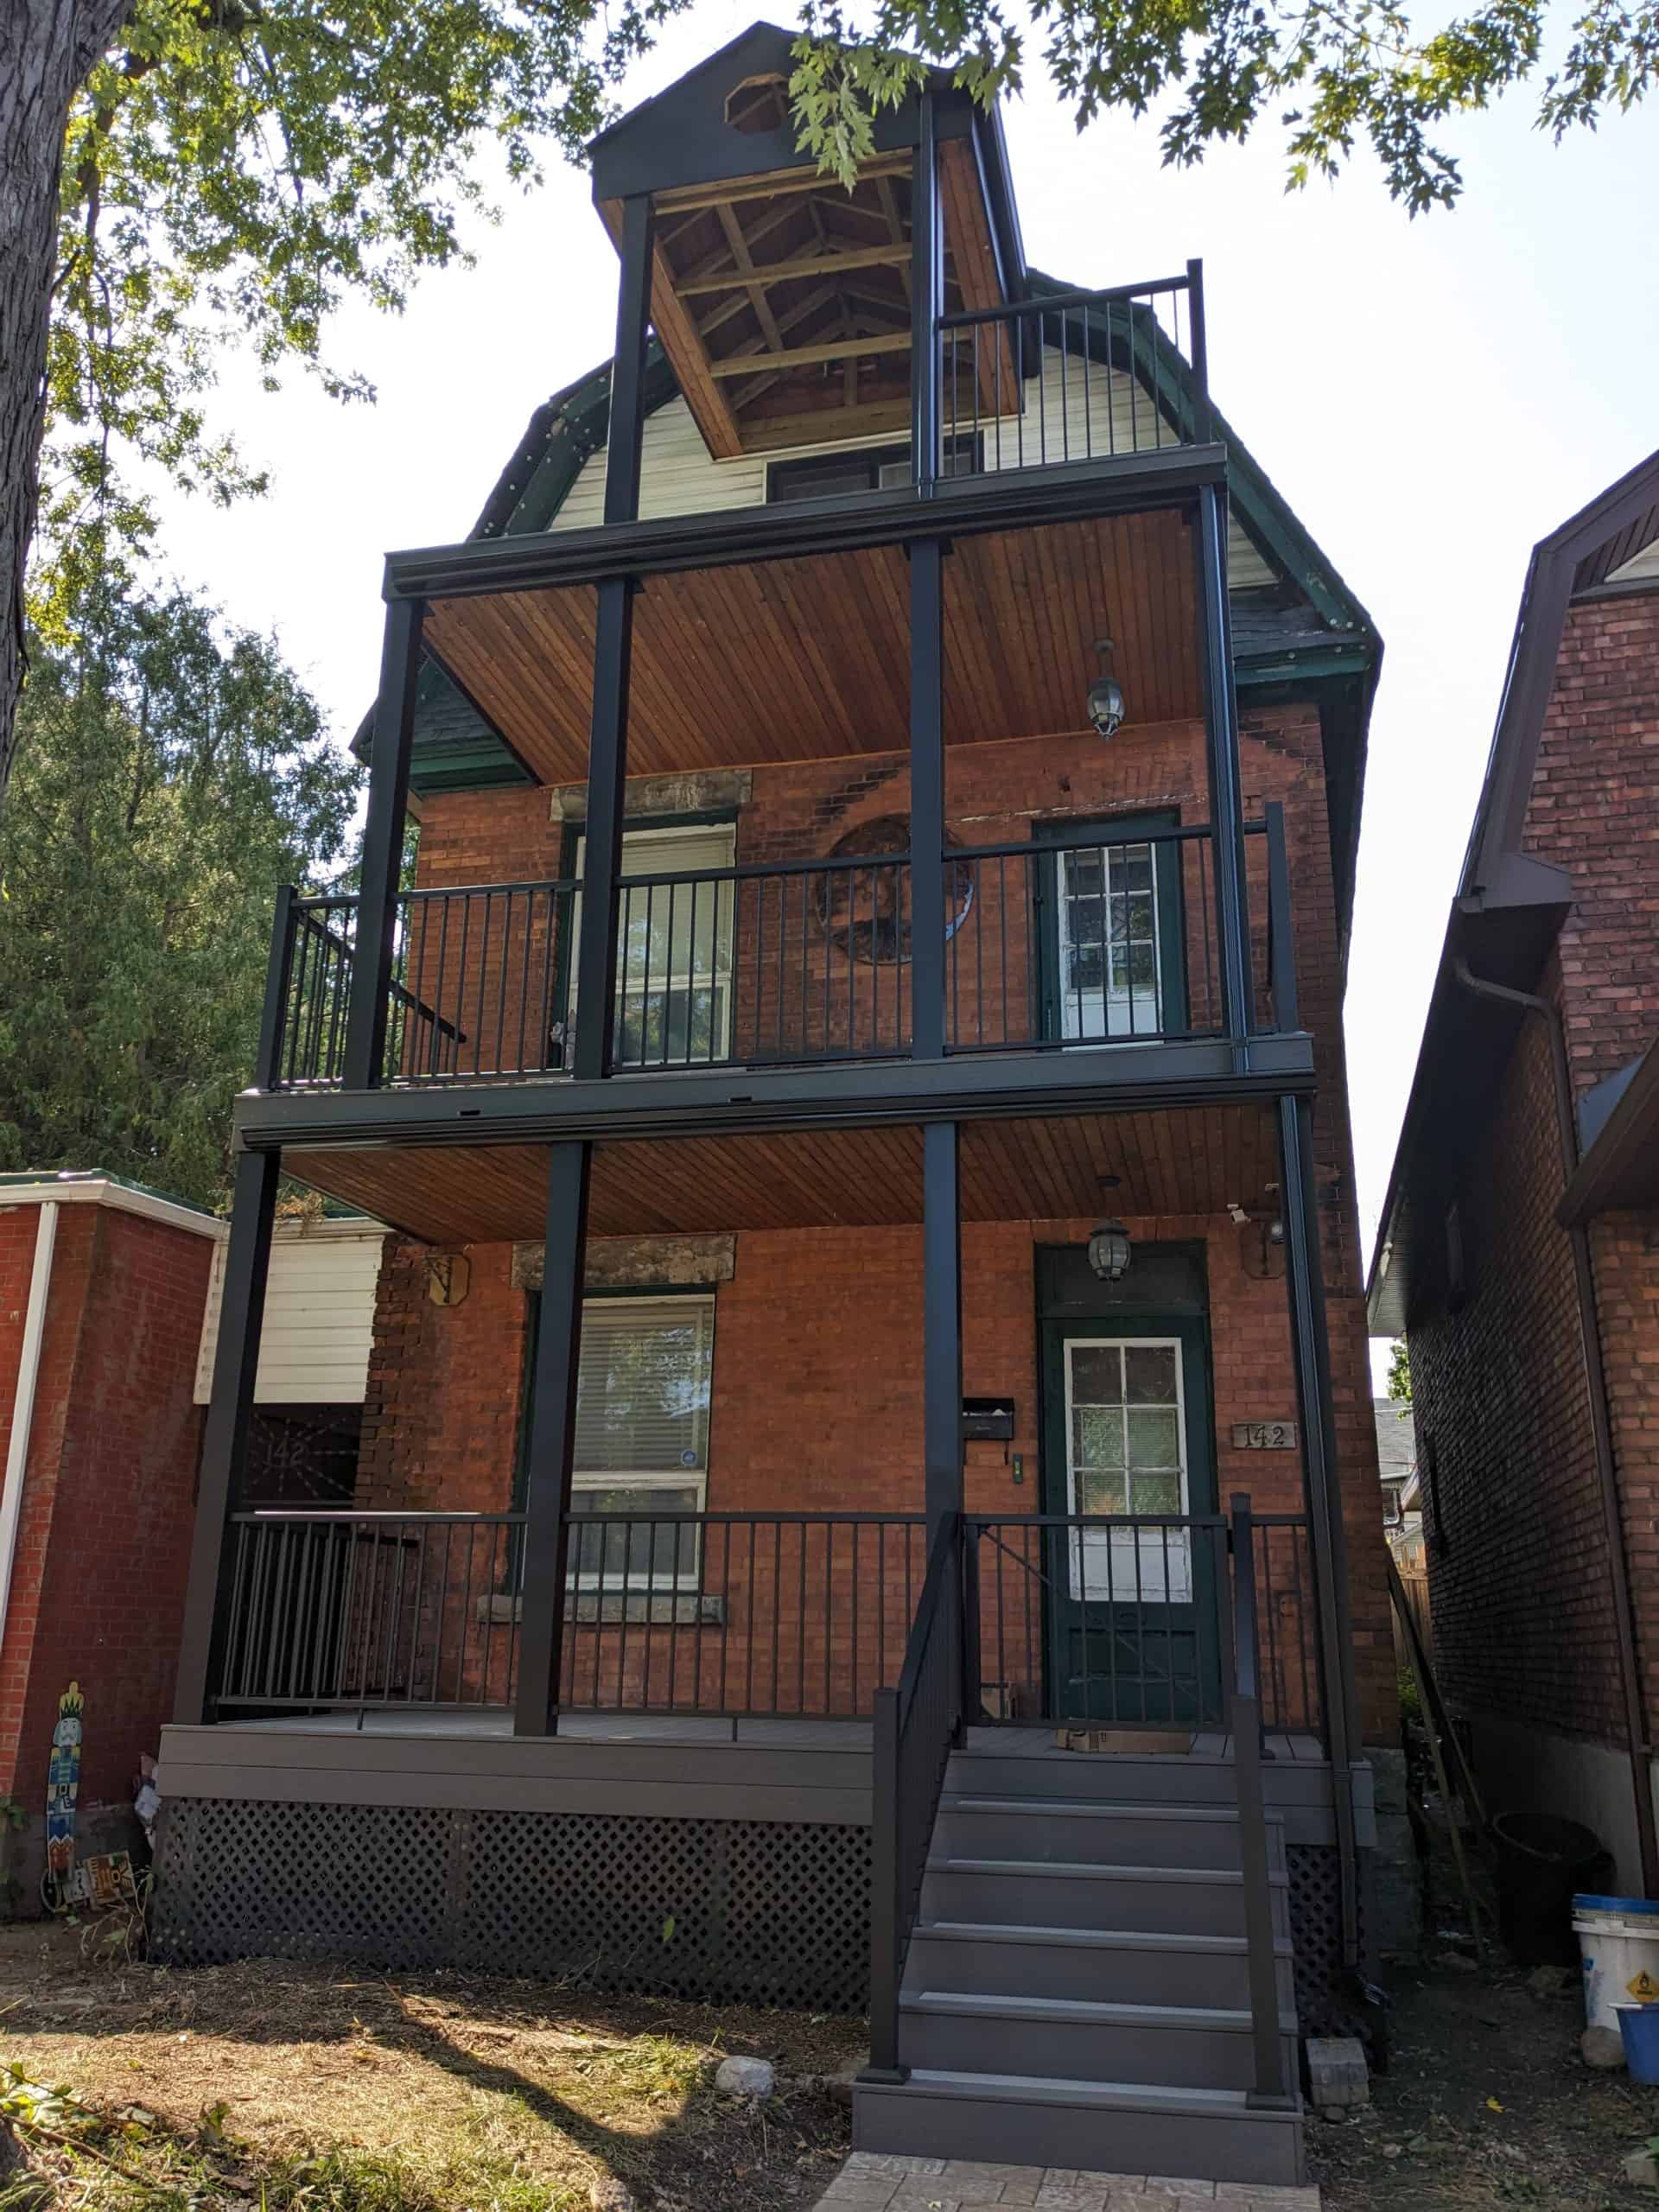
(1071, 941)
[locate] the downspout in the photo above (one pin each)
(22, 1407)
(1601, 1431)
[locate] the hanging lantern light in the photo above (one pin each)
(1106, 703)
(1109, 1241)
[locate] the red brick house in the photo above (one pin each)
(101, 1292)
(857, 1086)
(1519, 1249)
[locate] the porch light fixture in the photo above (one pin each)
(1106, 702)
(1108, 1245)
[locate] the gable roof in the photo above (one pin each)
(1509, 906)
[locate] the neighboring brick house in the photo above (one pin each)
(101, 1292)
(857, 1088)
(1519, 1249)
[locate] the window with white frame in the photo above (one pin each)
(674, 945)
(642, 1440)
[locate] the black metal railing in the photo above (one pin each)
(1074, 376)
(790, 962)
(1246, 1722)
(916, 1725)
(478, 983)
(738, 1616)
(370, 1610)
(1112, 1619)
(1083, 939)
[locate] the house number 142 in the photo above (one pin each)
(1264, 1435)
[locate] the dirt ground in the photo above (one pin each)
(275, 2085)
(1486, 2103)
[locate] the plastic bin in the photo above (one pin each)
(1618, 1942)
(1639, 2025)
(1542, 1860)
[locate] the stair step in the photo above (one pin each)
(1192, 1778)
(1100, 2127)
(1181, 2046)
(1123, 1965)
(1078, 1893)
(1055, 1828)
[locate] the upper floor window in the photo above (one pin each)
(867, 468)
(674, 945)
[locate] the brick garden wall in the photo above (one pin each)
(97, 1588)
(816, 1387)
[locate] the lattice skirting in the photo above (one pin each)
(1325, 2005)
(760, 1912)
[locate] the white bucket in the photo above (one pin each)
(1618, 1942)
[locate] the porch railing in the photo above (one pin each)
(727, 1616)
(370, 1610)
(736, 1616)
(1110, 1619)
(917, 1723)
(1074, 376)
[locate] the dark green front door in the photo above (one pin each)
(1132, 1635)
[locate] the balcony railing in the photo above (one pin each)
(1078, 376)
(1082, 938)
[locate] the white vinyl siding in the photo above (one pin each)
(679, 476)
(1641, 568)
(319, 1321)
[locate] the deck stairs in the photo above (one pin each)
(1076, 1989)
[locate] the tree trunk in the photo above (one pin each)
(46, 47)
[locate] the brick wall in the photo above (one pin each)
(97, 1588)
(1594, 810)
(445, 1386)
(1522, 1602)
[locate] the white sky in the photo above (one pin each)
(1431, 397)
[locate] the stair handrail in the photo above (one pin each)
(915, 1726)
(1272, 2089)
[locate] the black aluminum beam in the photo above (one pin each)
(225, 1436)
(550, 1450)
(926, 300)
(730, 1101)
(382, 845)
(1221, 726)
(1311, 1344)
(927, 883)
(627, 423)
(941, 1325)
(1014, 498)
(601, 852)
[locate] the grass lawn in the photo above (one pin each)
(332, 2089)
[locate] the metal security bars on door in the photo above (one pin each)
(738, 1615)
(1078, 376)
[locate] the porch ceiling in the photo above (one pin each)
(809, 659)
(1185, 1160)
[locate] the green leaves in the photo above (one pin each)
(172, 773)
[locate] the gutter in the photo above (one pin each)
(22, 1409)
(1595, 1380)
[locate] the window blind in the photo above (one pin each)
(643, 1385)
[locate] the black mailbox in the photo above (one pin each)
(988, 1419)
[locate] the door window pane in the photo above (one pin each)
(1107, 949)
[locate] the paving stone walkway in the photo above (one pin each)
(871, 2182)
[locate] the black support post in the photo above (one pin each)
(608, 749)
(224, 1437)
(941, 1324)
(551, 1446)
(927, 870)
(383, 847)
(926, 300)
(1221, 724)
(1311, 1343)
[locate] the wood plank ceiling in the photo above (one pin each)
(1182, 1162)
(783, 300)
(809, 659)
